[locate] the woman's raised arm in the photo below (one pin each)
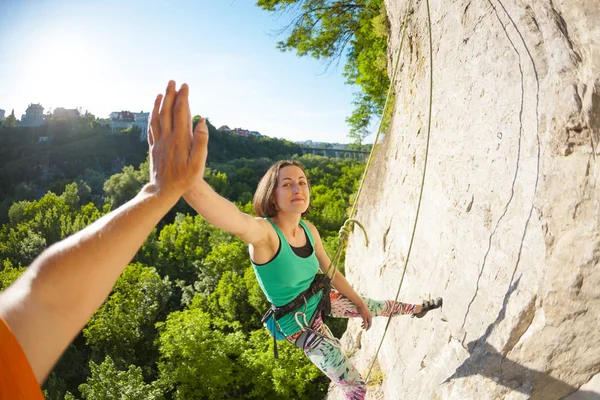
(222, 213)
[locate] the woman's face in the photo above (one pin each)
(291, 194)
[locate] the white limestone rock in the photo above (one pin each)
(509, 226)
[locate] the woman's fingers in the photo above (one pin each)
(367, 318)
(199, 149)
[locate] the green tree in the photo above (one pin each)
(30, 246)
(90, 121)
(46, 217)
(366, 66)
(10, 121)
(16, 212)
(71, 195)
(329, 207)
(182, 246)
(291, 376)
(228, 304)
(124, 326)
(9, 274)
(334, 29)
(218, 181)
(94, 179)
(198, 362)
(256, 297)
(71, 371)
(80, 219)
(107, 382)
(121, 187)
(230, 255)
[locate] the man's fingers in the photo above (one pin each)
(154, 125)
(166, 110)
(182, 116)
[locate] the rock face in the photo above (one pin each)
(509, 226)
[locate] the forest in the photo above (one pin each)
(183, 320)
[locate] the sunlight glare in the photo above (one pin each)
(63, 70)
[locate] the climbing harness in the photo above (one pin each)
(320, 283)
(311, 337)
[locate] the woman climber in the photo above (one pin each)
(287, 253)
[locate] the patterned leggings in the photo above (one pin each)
(325, 352)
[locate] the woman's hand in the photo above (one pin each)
(366, 316)
(177, 156)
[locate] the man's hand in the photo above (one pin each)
(177, 156)
(55, 297)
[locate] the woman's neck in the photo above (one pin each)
(289, 224)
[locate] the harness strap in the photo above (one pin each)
(320, 282)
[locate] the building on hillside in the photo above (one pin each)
(2, 113)
(141, 121)
(241, 132)
(34, 116)
(68, 113)
(121, 120)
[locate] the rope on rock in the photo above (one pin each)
(346, 229)
(422, 179)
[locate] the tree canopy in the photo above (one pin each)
(183, 320)
(355, 32)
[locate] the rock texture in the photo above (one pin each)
(509, 226)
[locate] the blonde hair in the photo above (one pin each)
(263, 197)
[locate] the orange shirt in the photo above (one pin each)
(17, 380)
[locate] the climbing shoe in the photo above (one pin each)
(427, 306)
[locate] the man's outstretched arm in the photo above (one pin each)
(55, 297)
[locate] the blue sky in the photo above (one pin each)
(113, 55)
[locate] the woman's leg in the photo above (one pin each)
(325, 352)
(342, 307)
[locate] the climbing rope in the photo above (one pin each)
(346, 229)
(348, 224)
(422, 186)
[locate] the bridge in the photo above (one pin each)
(336, 153)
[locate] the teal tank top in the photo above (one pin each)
(286, 276)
